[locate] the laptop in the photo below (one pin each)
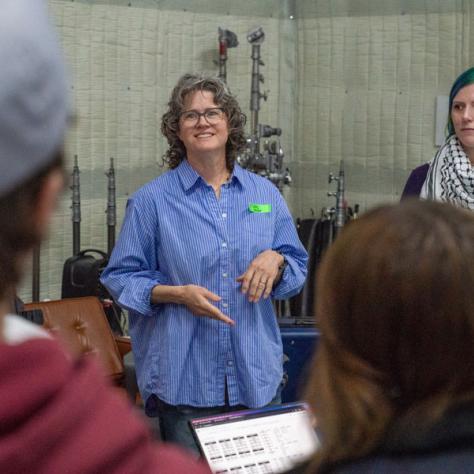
(256, 441)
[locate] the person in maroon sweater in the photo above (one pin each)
(57, 414)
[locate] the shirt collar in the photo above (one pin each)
(189, 177)
(238, 175)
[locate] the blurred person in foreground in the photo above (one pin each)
(449, 176)
(57, 415)
(392, 382)
(202, 251)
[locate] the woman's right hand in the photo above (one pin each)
(198, 300)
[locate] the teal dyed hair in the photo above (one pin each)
(466, 78)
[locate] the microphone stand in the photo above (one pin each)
(76, 209)
(111, 208)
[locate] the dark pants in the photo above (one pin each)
(174, 420)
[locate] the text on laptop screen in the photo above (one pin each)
(267, 440)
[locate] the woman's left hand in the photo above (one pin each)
(258, 279)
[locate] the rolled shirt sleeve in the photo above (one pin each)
(133, 268)
(289, 245)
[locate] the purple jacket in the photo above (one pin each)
(415, 181)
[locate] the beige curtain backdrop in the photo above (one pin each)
(346, 79)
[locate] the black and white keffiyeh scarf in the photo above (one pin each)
(450, 176)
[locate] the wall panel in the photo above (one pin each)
(347, 79)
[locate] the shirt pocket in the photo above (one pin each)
(259, 224)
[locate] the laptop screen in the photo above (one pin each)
(265, 440)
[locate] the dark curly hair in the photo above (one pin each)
(186, 85)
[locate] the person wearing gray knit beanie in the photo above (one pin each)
(58, 413)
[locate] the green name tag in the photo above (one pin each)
(260, 208)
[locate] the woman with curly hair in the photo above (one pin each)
(202, 249)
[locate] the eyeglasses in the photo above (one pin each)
(212, 116)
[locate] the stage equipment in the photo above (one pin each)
(76, 208)
(317, 235)
(227, 39)
(111, 208)
(340, 211)
(81, 271)
(267, 160)
(35, 270)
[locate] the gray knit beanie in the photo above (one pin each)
(33, 92)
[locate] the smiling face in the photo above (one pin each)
(462, 116)
(202, 138)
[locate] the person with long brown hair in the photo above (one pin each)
(392, 382)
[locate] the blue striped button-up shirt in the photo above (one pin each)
(177, 232)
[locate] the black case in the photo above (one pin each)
(81, 277)
(316, 236)
(81, 274)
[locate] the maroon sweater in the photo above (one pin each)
(61, 416)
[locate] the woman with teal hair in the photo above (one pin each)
(450, 175)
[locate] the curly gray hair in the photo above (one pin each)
(186, 85)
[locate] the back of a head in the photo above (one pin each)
(395, 305)
(33, 100)
(33, 120)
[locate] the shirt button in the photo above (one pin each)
(224, 215)
(230, 363)
(224, 244)
(224, 275)
(225, 305)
